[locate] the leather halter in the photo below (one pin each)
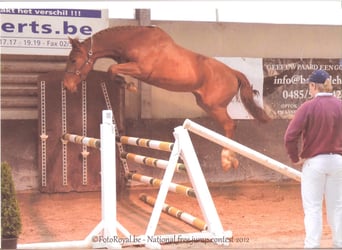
(78, 72)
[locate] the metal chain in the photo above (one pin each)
(119, 144)
(43, 135)
(85, 152)
(64, 143)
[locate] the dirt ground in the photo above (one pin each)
(260, 215)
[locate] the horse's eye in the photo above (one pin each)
(73, 61)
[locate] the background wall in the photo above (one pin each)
(230, 40)
(235, 40)
(19, 138)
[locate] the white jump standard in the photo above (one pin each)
(211, 228)
(183, 147)
(109, 224)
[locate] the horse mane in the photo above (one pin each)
(121, 29)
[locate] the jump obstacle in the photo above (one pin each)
(197, 179)
(211, 226)
(211, 229)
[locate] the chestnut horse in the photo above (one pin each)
(149, 54)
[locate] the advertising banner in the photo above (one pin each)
(46, 31)
(285, 85)
(252, 68)
(280, 83)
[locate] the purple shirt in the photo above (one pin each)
(319, 123)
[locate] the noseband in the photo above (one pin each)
(78, 72)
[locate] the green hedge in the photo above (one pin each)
(10, 213)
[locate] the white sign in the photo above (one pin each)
(46, 31)
(252, 68)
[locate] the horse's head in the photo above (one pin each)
(79, 64)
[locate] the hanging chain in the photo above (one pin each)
(64, 143)
(85, 152)
(119, 144)
(43, 135)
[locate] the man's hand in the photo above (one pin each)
(299, 163)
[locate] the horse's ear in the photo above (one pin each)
(74, 43)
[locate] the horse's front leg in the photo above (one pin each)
(122, 71)
(126, 82)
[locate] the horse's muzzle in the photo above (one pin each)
(70, 86)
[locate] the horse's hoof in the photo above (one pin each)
(228, 160)
(229, 163)
(226, 166)
(131, 87)
(235, 162)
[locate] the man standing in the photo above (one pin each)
(319, 123)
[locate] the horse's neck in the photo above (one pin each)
(98, 47)
(117, 42)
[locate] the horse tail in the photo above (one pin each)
(247, 97)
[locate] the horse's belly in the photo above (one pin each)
(175, 77)
(174, 85)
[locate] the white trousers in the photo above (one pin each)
(322, 178)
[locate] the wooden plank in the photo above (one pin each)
(31, 67)
(19, 113)
(19, 90)
(19, 78)
(19, 102)
(34, 58)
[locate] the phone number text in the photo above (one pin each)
(34, 43)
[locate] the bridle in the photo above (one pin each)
(89, 61)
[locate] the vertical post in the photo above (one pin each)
(143, 16)
(108, 177)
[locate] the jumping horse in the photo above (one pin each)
(149, 54)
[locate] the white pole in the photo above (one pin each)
(243, 150)
(199, 184)
(108, 198)
(108, 179)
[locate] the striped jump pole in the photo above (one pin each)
(151, 162)
(243, 150)
(177, 188)
(88, 141)
(146, 143)
(177, 213)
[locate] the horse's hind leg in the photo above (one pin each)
(219, 113)
(228, 157)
